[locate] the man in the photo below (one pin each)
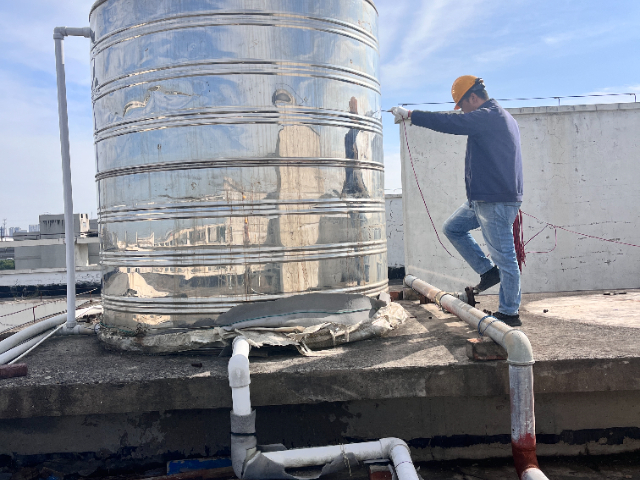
(493, 178)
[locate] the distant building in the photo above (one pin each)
(13, 230)
(45, 248)
(52, 226)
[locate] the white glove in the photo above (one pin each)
(400, 113)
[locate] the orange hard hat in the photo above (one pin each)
(462, 85)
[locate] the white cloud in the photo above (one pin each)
(28, 35)
(432, 30)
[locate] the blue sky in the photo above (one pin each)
(522, 48)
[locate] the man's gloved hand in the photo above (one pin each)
(400, 113)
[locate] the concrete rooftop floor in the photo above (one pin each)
(576, 344)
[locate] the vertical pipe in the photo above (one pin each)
(523, 423)
(66, 180)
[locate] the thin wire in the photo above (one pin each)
(404, 127)
(45, 303)
(635, 99)
(582, 234)
(543, 229)
(555, 231)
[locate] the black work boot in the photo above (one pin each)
(488, 280)
(511, 320)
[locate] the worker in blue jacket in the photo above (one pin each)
(493, 178)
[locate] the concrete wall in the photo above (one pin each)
(94, 253)
(581, 171)
(395, 231)
(51, 253)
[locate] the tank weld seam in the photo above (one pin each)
(243, 207)
(245, 162)
(153, 306)
(280, 66)
(273, 213)
(226, 116)
(234, 20)
(234, 252)
(237, 249)
(188, 263)
(97, 3)
(240, 204)
(164, 125)
(241, 112)
(241, 13)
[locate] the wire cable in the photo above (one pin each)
(635, 99)
(404, 128)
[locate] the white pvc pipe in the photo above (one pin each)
(241, 400)
(239, 378)
(386, 448)
(520, 359)
(69, 234)
(513, 341)
(18, 350)
(400, 456)
(307, 457)
(41, 338)
(533, 474)
(43, 326)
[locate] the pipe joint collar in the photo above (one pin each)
(243, 424)
(438, 298)
(518, 348)
(59, 33)
(408, 280)
(78, 330)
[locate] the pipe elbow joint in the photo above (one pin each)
(388, 444)
(518, 347)
(399, 453)
(59, 33)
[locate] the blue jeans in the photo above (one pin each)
(496, 222)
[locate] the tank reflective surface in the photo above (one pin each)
(239, 154)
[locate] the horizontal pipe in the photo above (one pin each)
(308, 457)
(386, 448)
(515, 342)
(41, 338)
(60, 32)
(43, 326)
(18, 350)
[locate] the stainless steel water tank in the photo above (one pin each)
(239, 154)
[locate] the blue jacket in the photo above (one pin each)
(493, 163)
